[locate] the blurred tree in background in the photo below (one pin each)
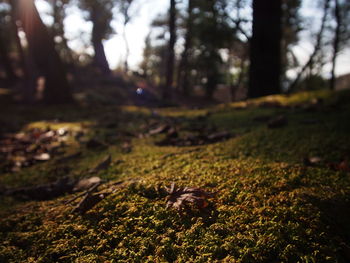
(194, 48)
(6, 45)
(43, 53)
(57, 29)
(100, 14)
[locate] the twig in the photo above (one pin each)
(90, 190)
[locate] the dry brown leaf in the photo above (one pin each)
(87, 183)
(183, 198)
(160, 129)
(42, 157)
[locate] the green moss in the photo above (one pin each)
(269, 206)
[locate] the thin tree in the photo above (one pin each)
(265, 49)
(336, 42)
(58, 14)
(125, 7)
(6, 61)
(171, 52)
(183, 75)
(100, 58)
(45, 56)
(100, 14)
(317, 48)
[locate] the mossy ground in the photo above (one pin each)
(269, 206)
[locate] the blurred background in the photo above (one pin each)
(160, 52)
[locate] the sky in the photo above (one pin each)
(78, 30)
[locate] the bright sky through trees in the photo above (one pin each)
(78, 34)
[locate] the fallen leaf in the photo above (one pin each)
(89, 201)
(42, 157)
(103, 165)
(311, 161)
(87, 183)
(182, 198)
(160, 129)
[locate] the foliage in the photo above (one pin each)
(101, 14)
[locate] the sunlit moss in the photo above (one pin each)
(268, 207)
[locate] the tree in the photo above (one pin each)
(125, 9)
(146, 64)
(212, 35)
(317, 48)
(265, 49)
(59, 14)
(238, 56)
(171, 52)
(100, 14)
(5, 43)
(183, 74)
(341, 10)
(291, 26)
(335, 42)
(42, 48)
(154, 64)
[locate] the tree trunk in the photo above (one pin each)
(335, 44)
(6, 61)
(265, 49)
(235, 87)
(183, 75)
(309, 63)
(127, 51)
(171, 53)
(100, 59)
(212, 82)
(58, 30)
(42, 48)
(28, 68)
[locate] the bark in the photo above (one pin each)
(265, 49)
(335, 44)
(171, 53)
(238, 84)
(318, 44)
(127, 50)
(29, 70)
(6, 61)
(42, 48)
(100, 59)
(183, 77)
(58, 30)
(212, 82)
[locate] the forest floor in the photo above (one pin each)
(266, 180)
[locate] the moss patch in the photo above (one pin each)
(269, 206)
